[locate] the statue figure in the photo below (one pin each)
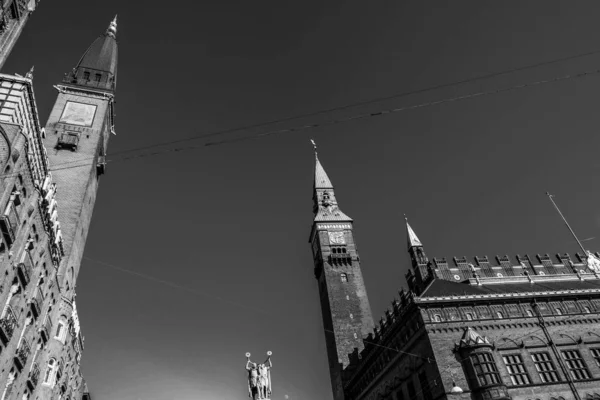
(259, 378)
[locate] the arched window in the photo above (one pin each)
(529, 313)
(499, 314)
(586, 309)
(469, 316)
(344, 277)
(558, 311)
(50, 372)
(437, 318)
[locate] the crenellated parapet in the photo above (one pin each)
(396, 329)
(462, 269)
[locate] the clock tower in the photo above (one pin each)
(345, 306)
(76, 138)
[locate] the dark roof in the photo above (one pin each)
(101, 55)
(443, 288)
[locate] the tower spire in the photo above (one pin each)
(325, 204)
(413, 240)
(321, 179)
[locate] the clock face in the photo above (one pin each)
(78, 114)
(336, 238)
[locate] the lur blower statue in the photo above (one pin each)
(259, 378)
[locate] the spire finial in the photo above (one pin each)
(314, 146)
(29, 75)
(112, 28)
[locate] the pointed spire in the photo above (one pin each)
(473, 338)
(29, 75)
(413, 240)
(321, 179)
(112, 28)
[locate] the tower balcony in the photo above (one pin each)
(25, 269)
(36, 302)
(9, 223)
(34, 377)
(7, 326)
(340, 259)
(46, 329)
(22, 355)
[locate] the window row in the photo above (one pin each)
(510, 311)
(487, 373)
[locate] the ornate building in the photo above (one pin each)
(522, 329)
(13, 17)
(48, 185)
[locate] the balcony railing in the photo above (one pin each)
(340, 258)
(36, 302)
(9, 223)
(34, 377)
(7, 326)
(22, 355)
(46, 329)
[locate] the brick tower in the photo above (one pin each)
(345, 306)
(77, 134)
(13, 17)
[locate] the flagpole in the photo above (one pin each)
(550, 196)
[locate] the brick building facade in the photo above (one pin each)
(522, 329)
(48, 185)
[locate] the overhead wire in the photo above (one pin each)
(67, 165)
(366, 102)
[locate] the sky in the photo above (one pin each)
(198, 256)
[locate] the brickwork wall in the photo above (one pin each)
(344, 302)
(520, 336)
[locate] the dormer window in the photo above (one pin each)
(86, 75)
(98, 78)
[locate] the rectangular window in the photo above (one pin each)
(545, 367)
(516, 369)
(596, 355)
(485, 369)
(576, 365)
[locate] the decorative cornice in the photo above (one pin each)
(425, 300)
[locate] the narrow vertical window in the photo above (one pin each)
(516, 369)
(545, 367)
(49, 373)
(596, 355)
(485, 369)
(576, 365)
(60, 330)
